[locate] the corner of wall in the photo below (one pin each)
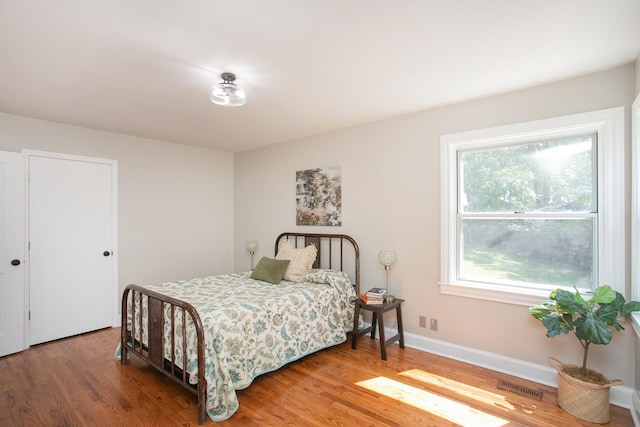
(636, 86)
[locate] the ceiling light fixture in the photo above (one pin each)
(228, 93)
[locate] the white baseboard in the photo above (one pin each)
(625, 397)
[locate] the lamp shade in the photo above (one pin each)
(387, 257)
(227, 93)
(251, 245)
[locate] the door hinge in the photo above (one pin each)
(29, 314)
(29, 245)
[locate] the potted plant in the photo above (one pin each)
(584, 392)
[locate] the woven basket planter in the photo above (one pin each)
(587, 401)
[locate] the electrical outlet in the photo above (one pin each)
(423, 322)
(434, 324)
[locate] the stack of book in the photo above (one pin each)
(374, 296)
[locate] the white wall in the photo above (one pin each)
(175, 202)
(391, 194)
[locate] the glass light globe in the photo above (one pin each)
(228, 94)
(387, 257)
(251, 245)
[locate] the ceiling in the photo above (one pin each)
(146, 67)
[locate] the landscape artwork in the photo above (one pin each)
(319, 196)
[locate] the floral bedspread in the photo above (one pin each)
(253, 327)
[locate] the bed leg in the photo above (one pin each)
(123, 348)
(123, 329)
(202, 414)
(202, 391)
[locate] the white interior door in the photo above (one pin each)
(12, 306)
(71, 245)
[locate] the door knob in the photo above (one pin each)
(15, 262)
(106, 253)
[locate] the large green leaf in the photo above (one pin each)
(619, 301)
(603, 295)
(609, 313)
(567, 302)
(552, 322)
(629, 308)
(540, 310)
(593, 329)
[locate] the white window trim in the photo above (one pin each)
(635, 199)
(635, 209)
(609, 124)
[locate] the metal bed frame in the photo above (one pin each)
(330, 255)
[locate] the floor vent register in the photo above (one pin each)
(519, 389)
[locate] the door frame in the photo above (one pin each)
(115, 305)
(16, 242)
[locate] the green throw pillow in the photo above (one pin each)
(270, 270)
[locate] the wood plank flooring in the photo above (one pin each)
(77, 382)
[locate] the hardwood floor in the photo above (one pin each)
(77, 382)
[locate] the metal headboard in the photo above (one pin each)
(331, 251)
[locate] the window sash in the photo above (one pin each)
(574, 260)
(567, 142)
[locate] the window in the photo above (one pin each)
(532, 207)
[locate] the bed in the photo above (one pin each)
(214, 335)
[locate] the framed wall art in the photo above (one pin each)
(319, 196)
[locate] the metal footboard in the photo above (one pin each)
(153, 350)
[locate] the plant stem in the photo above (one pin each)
(583, 371)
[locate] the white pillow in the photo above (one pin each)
(302, 260)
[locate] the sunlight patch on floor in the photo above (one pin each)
(442, 407)
(462, 389)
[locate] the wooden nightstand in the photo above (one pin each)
(378, 311)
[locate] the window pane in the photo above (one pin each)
(550, 176)
(557, 252)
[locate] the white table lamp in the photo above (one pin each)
(387, 258)
(252, 247)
